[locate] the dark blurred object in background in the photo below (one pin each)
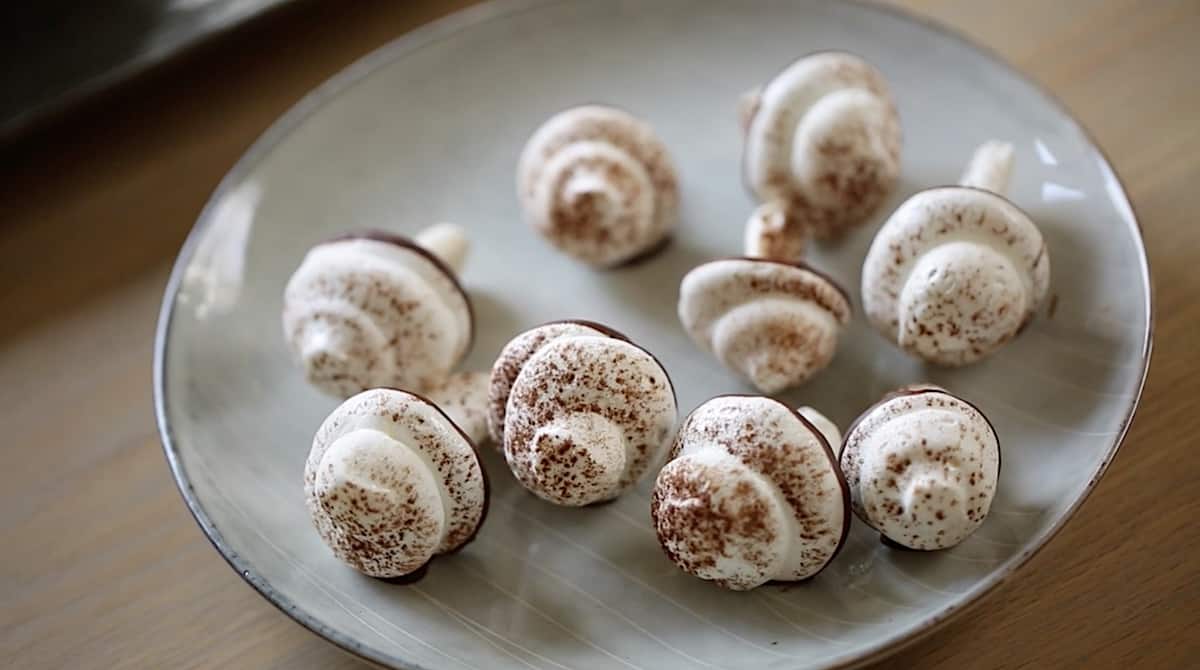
(57, 52)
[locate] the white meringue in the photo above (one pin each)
(823, 137)
(773, 232)
(391, 482)
(922, 466)
(598, 184)
(463, 396)
(775, 323)
(956, 272)
(378, 310)
(512, 359)
(585, 414)
(752, 494)
(825, 427)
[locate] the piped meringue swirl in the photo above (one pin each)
(752, 494)
(375, 310)
(823, 137)
(586, 414)
(598, 184)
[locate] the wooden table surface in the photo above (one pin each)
(103, 567)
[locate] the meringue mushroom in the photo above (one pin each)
(957, 271)
(822, 139)
(391, 482)
(597, 183)
(775, 323)
(752, 494)
(922, 466)
(580, 410)
(376, 309)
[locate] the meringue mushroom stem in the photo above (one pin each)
(773, 233)
(748, 107)
(447, 241)
(990, 167)
(825, 427)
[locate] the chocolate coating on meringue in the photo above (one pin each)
(752, 494)
(391, 482)
(922, 466)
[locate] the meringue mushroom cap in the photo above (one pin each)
(391, 482)
(922, 466)
(824, 136)
(597, 183)
(516, 352)
(752, 494)
(586, 416)
(954, 274)
(374, 310)
(775, 323)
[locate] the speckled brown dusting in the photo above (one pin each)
(585, 414)
(513, 356)
(776, 323)
(364, 312)
(849, 137)
(407, 243)
(598, 184)
(375, 481)
(746, 472)
(922, 466)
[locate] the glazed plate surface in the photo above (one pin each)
(430, 128)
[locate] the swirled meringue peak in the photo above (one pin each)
(597, 183)
(777, 324)
(957, 271)
(585, 412)
(922, 466)
(375, 309)
(752, 494)
(823, 137)
(391, 482)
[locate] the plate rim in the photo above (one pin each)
(483, 12)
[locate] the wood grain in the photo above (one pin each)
(102, 565)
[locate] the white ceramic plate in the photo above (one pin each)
(429, 128)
